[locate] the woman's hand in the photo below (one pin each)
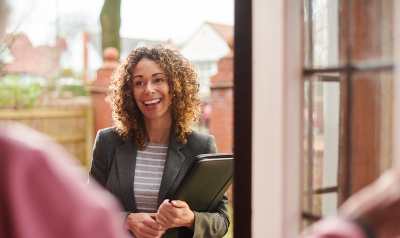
(144, 225)
(175, 214)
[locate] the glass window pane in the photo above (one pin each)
(205, 73)
(359, 32)
(321, 165)
(329, 204)
(371, 126)
(325, 36)
(364, 26)
(371, 30)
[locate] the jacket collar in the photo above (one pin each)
(126, 165)
(172, 167)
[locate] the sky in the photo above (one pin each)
(177, 20)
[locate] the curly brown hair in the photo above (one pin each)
(183, 84)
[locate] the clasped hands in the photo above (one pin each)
(153, 225)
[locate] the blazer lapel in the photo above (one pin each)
(172, 167)
(126, 163)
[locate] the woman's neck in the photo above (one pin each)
(157, 131)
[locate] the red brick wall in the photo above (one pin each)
(221, 120)
(102, 111)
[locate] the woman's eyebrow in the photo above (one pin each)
(141, 76)
(157, 73)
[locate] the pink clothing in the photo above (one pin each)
(333, 227)
(42, 196)
(207, 111)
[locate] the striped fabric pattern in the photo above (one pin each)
(148, 174)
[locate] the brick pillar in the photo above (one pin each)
(102, 111)
(86, 37)
(221, 119)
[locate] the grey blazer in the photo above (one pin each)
(113, 166)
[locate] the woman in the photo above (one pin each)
(154, 98)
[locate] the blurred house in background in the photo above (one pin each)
(128, 44)
(84, 56)
(208, 45)
(19, 57)
(66, 69)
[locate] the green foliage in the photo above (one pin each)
(15, 94)
(66, 73)
(77, 90)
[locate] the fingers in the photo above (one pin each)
(167, 208)
(156, 225)
(174, 206)
(153, 215)
(162, 218)
(174, 214)
(179, 204)
(148, 231)
(144, 225)
(151, 222)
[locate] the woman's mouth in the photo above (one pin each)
(152, 103)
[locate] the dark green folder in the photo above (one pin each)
(205, 182)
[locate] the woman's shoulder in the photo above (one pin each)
(109, 131)
(201, 141)
(196, 136)
(109, 134)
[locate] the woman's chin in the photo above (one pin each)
(154, 115)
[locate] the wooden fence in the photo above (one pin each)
(72, 128)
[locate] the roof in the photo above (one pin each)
(30, 60)
(27, 58)
(51, 54)
(225, 31)
(127, 44)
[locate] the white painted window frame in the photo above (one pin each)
(277, 113)
(277, 116)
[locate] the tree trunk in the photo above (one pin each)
(110, 19)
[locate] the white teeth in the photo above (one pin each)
(152, 101)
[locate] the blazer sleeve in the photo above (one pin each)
(209, 224)
(100, 167)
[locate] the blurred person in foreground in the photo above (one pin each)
(142, 160)
(372, 212)
(42, 191)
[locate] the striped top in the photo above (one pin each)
(148, 174)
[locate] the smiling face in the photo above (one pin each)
(151, 91)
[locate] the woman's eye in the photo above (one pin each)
(139, 83)
(159, 80)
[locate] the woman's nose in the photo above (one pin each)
(150, 89)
